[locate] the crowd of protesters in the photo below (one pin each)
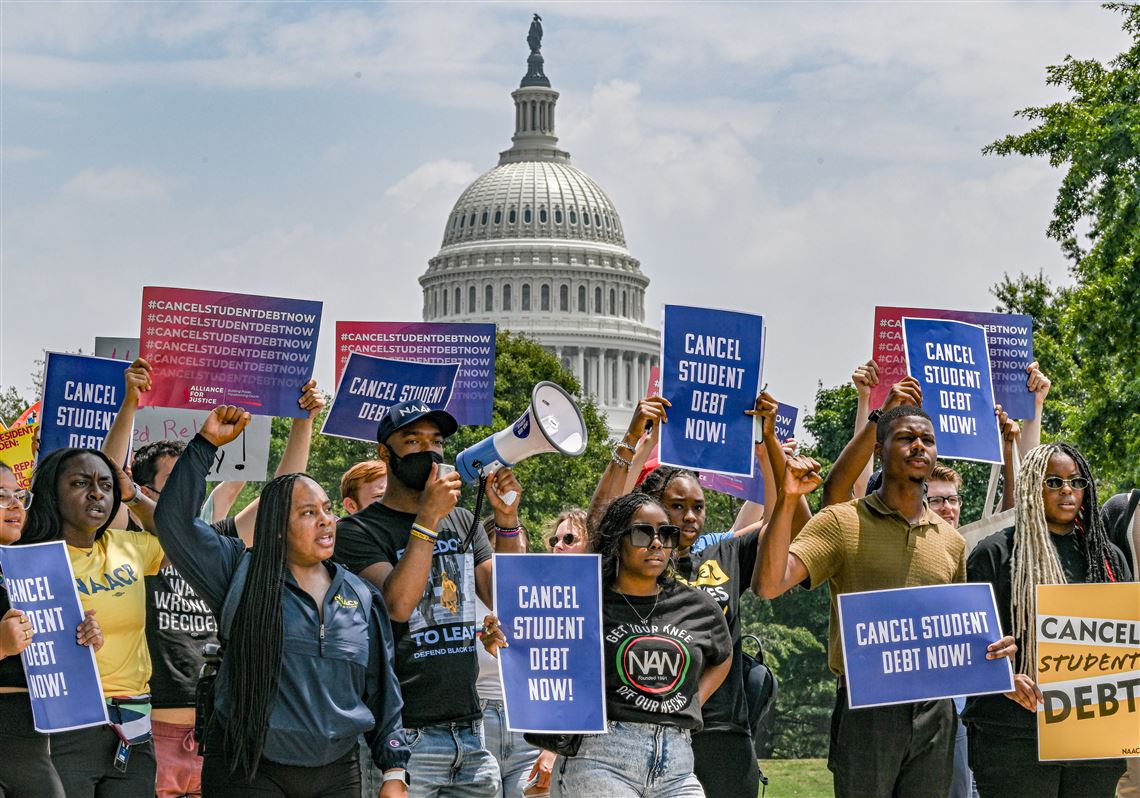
(327, 687)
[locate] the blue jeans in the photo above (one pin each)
(450, 760)
(515, 755)
(962, 785)
(635, 760)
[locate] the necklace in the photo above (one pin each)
(644, 620)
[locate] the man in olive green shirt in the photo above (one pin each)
(888, 539)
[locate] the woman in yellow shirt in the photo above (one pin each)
(77, 493)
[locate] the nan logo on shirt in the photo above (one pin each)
(116, 579)
(653, 664)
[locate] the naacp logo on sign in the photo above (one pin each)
(652, 664)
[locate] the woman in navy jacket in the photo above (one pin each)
(307, 665)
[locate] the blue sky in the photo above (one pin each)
(803, 160)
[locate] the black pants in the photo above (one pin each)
(85, 761)
(1005, 765)
(725, 764)
(26, 770)
(900, 751)
(339, 779)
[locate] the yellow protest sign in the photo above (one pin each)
(1088, 668)
(17, 452)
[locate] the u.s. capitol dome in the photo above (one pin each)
(537, 246)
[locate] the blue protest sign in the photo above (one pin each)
(710, 373)
(951, 361)
(81, 397)
(370, 385)
(63, 679)
(921, 643)
(752, 488)
(550, 609)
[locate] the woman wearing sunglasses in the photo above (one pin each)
(26, 770)
(1058, 538)
(667, 649)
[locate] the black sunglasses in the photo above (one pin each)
(569, 539)
(642, 535)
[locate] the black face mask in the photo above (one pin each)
(414, 469)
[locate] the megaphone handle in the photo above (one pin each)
(510, 497)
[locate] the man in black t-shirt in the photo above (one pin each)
(430, 563)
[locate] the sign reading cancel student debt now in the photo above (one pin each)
(920, 644)
(63, 679)
(1010, 338)
(370, 385)
(710, 373)
(550, 609)
(951, 362)
(1088, 669)
(209, 348)
(80, 400)
(470, 345)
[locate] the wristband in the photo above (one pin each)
(874, 415)
(423, 533)
(617, 458)
(624, 445)
(137, 495)
(507, 533)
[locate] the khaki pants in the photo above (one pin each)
(1129, 785)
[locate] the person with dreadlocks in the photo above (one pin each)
(653, 703)
(1057, 538)
(307, 664)
(887, 539)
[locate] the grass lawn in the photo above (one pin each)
(796, 778)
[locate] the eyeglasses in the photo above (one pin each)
(950, 501)
(11, 498)
(642, 535)
(1056, 483)
(569, 539)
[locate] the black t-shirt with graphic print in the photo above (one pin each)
(178, 625)
(653, 666)
(435, 649)
(723, 570)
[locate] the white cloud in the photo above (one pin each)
(17, 154)
(117, 184)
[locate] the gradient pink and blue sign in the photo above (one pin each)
(208, 348)
(472, 346)
(1009, 338)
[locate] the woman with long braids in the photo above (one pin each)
(1058, 538)
(667, 649)
(77, 494)
(307, 663)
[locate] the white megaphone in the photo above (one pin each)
(552, 423)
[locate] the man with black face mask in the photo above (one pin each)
(410, 544)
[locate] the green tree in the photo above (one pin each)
(12, 404)
(1094, 135)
